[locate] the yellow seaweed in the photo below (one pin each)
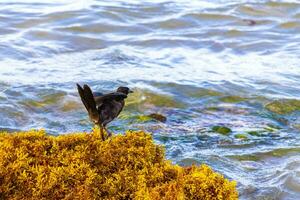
(34, 165)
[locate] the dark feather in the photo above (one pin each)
(81, 93)
(89, 97)
(88, 100)
(97, 94)
(117, 96)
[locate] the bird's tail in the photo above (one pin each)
(88, 101)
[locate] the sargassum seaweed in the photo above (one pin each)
(35, 165)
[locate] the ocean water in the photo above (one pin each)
(202, 64)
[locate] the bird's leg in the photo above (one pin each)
(108, 132)
(102, 133)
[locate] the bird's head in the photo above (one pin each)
(124, 90)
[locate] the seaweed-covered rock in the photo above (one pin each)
(283, 107)
(142, 99)
(158, 117)
(34, 165)
(44, 100)
(255, 133)
(232, 99)
(241, 136)
(221, 129)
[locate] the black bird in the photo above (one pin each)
(103, 108)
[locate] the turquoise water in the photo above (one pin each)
(201, 64)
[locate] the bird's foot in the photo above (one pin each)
(102, 134)
(109, 134)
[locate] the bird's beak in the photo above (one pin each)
(130, 91)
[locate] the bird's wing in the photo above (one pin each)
(110, 97)
(88, 100)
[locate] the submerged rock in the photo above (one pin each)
(34, 165)
(296, 126)
(250, 22)
(232, 99)
(45, 100)
(255, 133)
(228, 109)
(284, 107)
(142, 99)
(199, 93)
(262, 133)
(144, 118)
(135, 118)
(221, 129)
(241, 136)
(158, 117)
(70, 106)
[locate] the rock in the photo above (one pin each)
(232, 99)
(258, 133)
(144, 99)
(241, 136)
(250, 22)
(158, 117)
(284, 107)
(222, 130)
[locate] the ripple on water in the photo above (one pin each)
(291, 27)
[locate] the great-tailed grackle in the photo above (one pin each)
(103, 108)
